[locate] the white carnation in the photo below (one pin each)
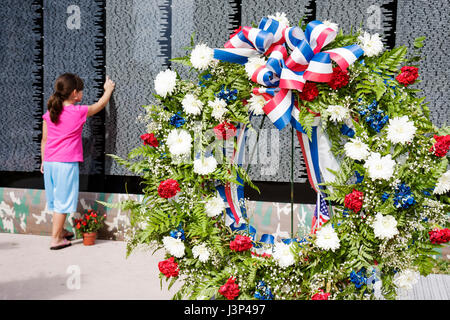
(338, 113)
(165, 82)
(252, 64)
(380, 167)
(179, 142)
(331, 25)
(443, 183)
(201, 252)
(205, 165)
(256, 104)
(371, 44)
(191, 105)
(219, 108)
(384, 227)
(283, 255)
(327, 238)
(174, 246)
(281, 18)
(356, 149)
(406, 279)
(214, 206)
(401, 130)
(202, 56)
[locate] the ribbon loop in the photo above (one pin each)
(283, 71)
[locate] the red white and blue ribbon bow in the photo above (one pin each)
(283, 73)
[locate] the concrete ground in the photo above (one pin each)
(30, 270)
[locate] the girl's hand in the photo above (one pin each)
(42, 167)
(109, 84)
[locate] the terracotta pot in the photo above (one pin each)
(89, 238)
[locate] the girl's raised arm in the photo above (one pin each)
(103, 101)
(43, 142)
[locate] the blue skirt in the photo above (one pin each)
(61, 180)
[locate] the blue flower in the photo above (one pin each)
(178, 233)
(206, 77)
(359, 278)
(359, 177)
(403, 197)
(177, 120)
(227, 95)
(263, 292)
(376, 119)
(385, 196)
(345, 130)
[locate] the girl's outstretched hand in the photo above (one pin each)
(109, 84)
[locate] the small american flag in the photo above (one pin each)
(321, 214)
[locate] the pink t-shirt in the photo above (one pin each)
(64, 142)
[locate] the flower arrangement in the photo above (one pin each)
(90, 221)
(389, 202)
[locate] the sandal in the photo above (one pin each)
(68, 235)
(61, 246)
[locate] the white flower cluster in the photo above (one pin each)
(379, 167)
(214, 206)
(371, 44)
(174, 246)
(443, 184)
(338, 113)
(219, 108)
(201, 252)
(256, 104)
(205, 165)
(165, 82)
(202, 57)
(283, 255)
(406, 279)
(385, 227)
(179, 142)
(401, 130)
(327, 238)
(356, 149)
(191, 105)
(281, 18)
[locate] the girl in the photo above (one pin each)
(62, 149)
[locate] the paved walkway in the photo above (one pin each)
(29, 270)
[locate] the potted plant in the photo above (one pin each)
(88, 226)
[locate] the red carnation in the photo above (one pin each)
(229, 290)
(408, 75)
(339, 78)
(150, 139)
(168, 188)
(169, 267)
(78, 225)
(309, 92)
(225, 131)
(354, 200)
(441, 147)
(320, 296)
(236, 31)
(438, 236)
(241, 243)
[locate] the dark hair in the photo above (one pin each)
(64, 86)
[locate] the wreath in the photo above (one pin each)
(387, 193)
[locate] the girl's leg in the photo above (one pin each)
(57, 230)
